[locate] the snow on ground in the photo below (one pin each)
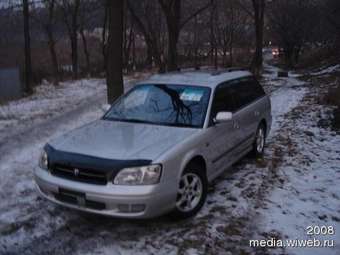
(50, 101)
(310, 194)
(327, 70)
(286, 93)
(285, 99)
(30, 225)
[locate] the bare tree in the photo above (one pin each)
(89, 11)
(70, 10)
(82, 25)
(256, 12)
(47, 19)
(128, 41)
(175, 22)
(115, 86)
(51, 6)
(214, 34)
(104, 31)
(144, 13)
(28, 60)
(259, 8)
(332, 14)
(293, 24)
(230, 29)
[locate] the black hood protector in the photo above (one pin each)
(74, 160)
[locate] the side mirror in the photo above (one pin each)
(105, 107)
(222, 117)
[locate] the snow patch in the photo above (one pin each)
(327, 70)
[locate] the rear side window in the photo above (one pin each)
(248, 90)
(232, 96)
(257, 88)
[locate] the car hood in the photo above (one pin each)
(121, 140)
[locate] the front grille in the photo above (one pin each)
(80, 175)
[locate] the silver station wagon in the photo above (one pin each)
(158, 146)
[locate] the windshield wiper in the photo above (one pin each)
(138, 121)
(181, 125)
(128, 120)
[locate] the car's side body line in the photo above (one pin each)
(245, 142)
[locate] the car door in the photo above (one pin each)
(224, 136)
(259, 103)
(247, 112)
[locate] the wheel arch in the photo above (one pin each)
(264, 123)
(199, 160)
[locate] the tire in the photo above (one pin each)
(186, 192)
(259, 142)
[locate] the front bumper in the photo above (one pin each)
(112, 200)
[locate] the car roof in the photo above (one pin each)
(206, 78)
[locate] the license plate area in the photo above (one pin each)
(79, 199)
(72, 197)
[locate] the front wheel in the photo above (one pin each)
(191, 192)
(260, 140)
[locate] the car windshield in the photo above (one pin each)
(172, 105)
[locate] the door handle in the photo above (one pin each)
(256, 113)
(236, 125)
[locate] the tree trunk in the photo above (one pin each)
(231, 59)
(53, 54)
(288, 53)
(28, 60)
(115, 86)
(134, 52)
(297, 52)
(86, 51)
(74, 55)
(173, 18)
(149, 54)
(105, 21)
(71, 13)
(232, 31)
(172, 49)
(259, 6)
(195, 44)
(127, 45)
(173, 14)
(74, 39)
(213, 41)
(51, 40)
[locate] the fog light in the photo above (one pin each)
(137, 208)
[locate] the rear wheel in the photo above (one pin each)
(260, 141)
(191, 192)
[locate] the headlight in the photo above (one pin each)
(43, 161)
(144, 175)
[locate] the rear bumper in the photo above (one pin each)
(112, 200)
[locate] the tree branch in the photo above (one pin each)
(137, 19)
(244, 8)
(203, 8)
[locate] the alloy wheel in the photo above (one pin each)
(260, 140)
(189, 192)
